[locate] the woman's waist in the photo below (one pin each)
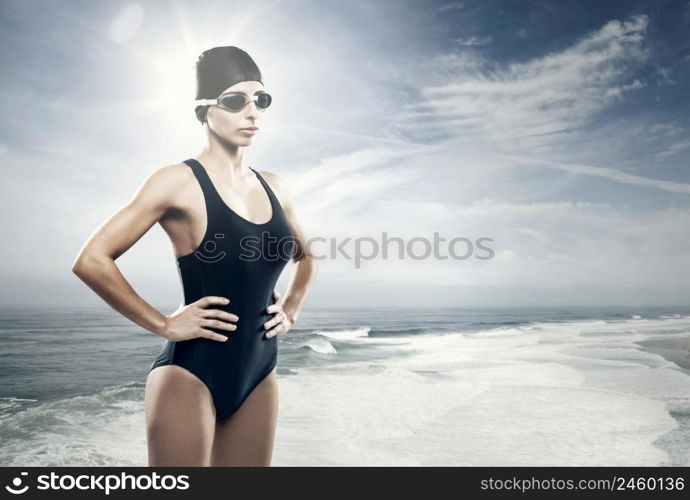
(245, 295)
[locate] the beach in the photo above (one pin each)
(504, 387)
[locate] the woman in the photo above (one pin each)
(211, 395)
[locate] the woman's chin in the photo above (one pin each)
(244, 139)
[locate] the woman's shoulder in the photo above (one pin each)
(270, 176)
(278, 184)
(172, 174)
(164, 184)
(276, 181)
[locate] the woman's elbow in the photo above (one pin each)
(84, 262)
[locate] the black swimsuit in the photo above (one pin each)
(242, 261)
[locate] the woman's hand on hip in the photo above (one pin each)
(193, 320)
(279, 323)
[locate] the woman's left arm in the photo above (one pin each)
(304, 271)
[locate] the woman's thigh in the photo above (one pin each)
(180, 418)
(245, 438)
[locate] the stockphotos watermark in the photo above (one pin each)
(362, 248)
(99, 483)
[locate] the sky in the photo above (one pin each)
(558, 131)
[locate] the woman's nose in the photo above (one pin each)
(252, 110)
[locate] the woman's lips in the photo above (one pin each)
(249, 131)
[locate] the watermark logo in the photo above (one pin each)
(16, 488)
(208, 252)
(98, 483)
(364, 248)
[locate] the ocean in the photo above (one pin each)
(576, 386)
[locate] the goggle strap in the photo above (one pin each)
(205, 102)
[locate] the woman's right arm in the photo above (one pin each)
(95, 263)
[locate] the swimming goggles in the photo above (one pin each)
(237, 101)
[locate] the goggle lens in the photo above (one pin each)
(235, 102)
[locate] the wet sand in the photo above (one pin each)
(675, 348)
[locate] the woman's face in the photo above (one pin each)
(228, 124)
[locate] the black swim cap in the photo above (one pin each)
(219, 68)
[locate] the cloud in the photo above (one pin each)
(612, 173)
(472, 40)
(558, 92)
(450, 6)
(664, 75)
(674, 148)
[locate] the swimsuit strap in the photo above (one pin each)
(214, 203)
(272, 196)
